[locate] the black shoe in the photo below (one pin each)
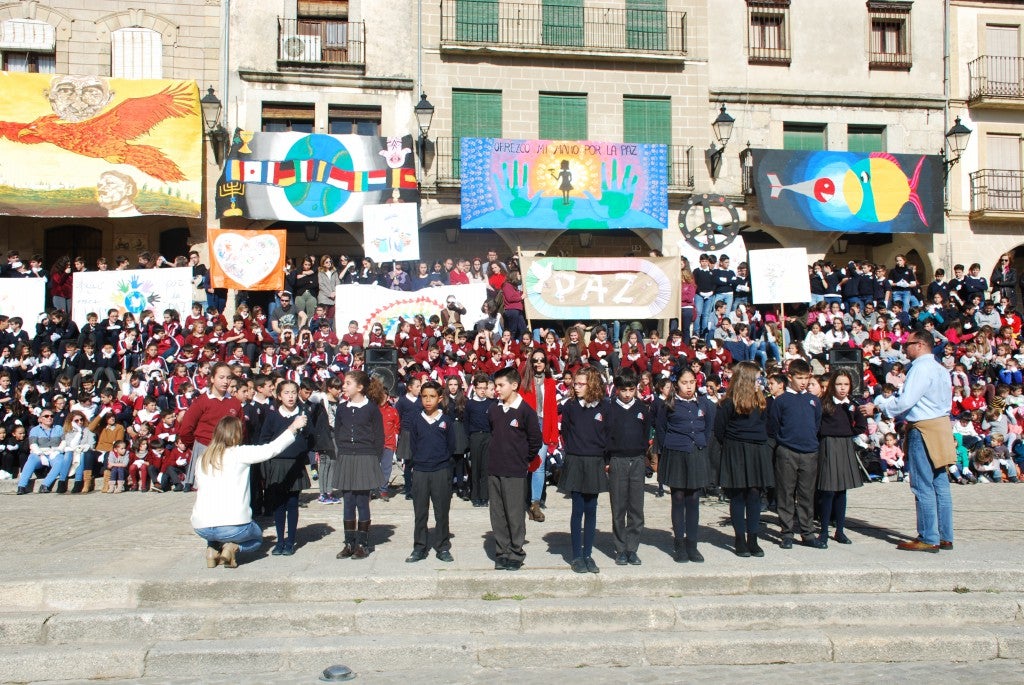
(501, 564)
(692, 554)
(740, 546)
(816, 543)
(513, 565)
(787, 543)
(409, 497)
(278, 549)
(176, 488)
(62, 487)
(679, 551)
(592, 565)
(415, 556)
(288, 549)
(579, 565)
(754, 548)
(633, 559)
(842, 539)
(445, 556)
(45, 488)
(186, 488)
(23, 490)
(621, 559)
(659, 493)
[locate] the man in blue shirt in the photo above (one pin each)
(925, 402)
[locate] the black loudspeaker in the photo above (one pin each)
(382, 364)
(850, 359)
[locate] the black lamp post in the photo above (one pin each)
(212, 107)
(722, 127)
(424, 115)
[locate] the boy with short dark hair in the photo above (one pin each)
(478, 425)
(433, 438)
(515, 440)
(793, 421)
(629, 432)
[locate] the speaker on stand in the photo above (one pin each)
(382, 364)
(851, 360)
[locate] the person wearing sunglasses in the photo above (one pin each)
(1004, 281)
(44, 450)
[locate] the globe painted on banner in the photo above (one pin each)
(316, 199)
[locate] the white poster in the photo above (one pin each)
(779, 276)
(24, 297)
(391, 232)
(737, 251)
(367, 304)
(131, 291)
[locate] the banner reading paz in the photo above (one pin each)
(92, 146)
(247, 260)
(570, 288)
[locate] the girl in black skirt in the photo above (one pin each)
(683, 431)
(359, 435)
(285, 474)
(454, 405)
(584, 435)
(746, 466)
(838, 469)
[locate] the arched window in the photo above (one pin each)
(136, 53)
(28, 46)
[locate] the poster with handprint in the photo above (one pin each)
(551, 184)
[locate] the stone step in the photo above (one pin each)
(509, 617)
(383, 653)
(249, 585)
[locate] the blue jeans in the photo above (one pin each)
(687, 315)
(704, 309)
(59, 467)
(931, 492)
(906, 298)
(248, 537)
(537, 477)
(815, 299)
(723, 297)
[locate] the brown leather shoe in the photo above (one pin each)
(917, 546)
(227, 555)
(212, 557)
(943, 544)
(535, 512)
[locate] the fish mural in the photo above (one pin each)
(876, 192)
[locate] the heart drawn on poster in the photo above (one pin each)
(247, 261)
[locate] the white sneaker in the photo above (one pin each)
(885, 479)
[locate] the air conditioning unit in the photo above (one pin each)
(300, 48)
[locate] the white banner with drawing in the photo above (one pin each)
(131, 291)
(779, 276)
(369, 304)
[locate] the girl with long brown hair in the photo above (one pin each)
(746, 465)
(838, 468)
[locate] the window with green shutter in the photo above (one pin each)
(476, 21)
(865, 138)
(475, 114)
(803, 137)
(645, 24)
(563, 22)
(649, 120)
(562, 117)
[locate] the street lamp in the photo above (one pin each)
(424, 114)
(722, 127)
(212, 107)
(956, 139)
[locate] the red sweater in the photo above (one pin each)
(204, 415)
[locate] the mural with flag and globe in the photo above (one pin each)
(314, 177)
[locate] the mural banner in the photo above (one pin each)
(391, 232)
(852, 192)
(554, 184)
(369, 304)
(314, 177)
(24, 297)
(571, 289)
(247, 260)
(90, 146)
(131, 291)
(779, 276)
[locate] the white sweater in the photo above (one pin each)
(223, 497)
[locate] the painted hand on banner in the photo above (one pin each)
(616, 193)
(514, 190)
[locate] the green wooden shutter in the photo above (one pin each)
(562, 117)
(803, 137)
(649, 120)
(563, 22)
(475, 114)
(645, 24)
(865, 138)
(476, 21)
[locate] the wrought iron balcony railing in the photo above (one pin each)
(997, 190)
(996, 77)
(320, 42)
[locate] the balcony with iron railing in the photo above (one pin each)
(446, 165)
(996, 81)
(997, 194)
(320, 42)
(533, 28)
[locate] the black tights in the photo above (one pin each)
(583, 524)
(832, 505)
(289, 507)
(685, 513)
(357, 505)
(745, 510)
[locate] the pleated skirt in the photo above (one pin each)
(583, 474)
(355, 472)
(286, 475)
(838, 468)
(686, 470)
(746, 465)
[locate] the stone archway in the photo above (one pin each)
(73, 241)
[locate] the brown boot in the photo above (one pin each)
(212, 557)
(536, 514)
(227, 555)
(350, 540)
(362, 548)
(87, 481)
(107, 486)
